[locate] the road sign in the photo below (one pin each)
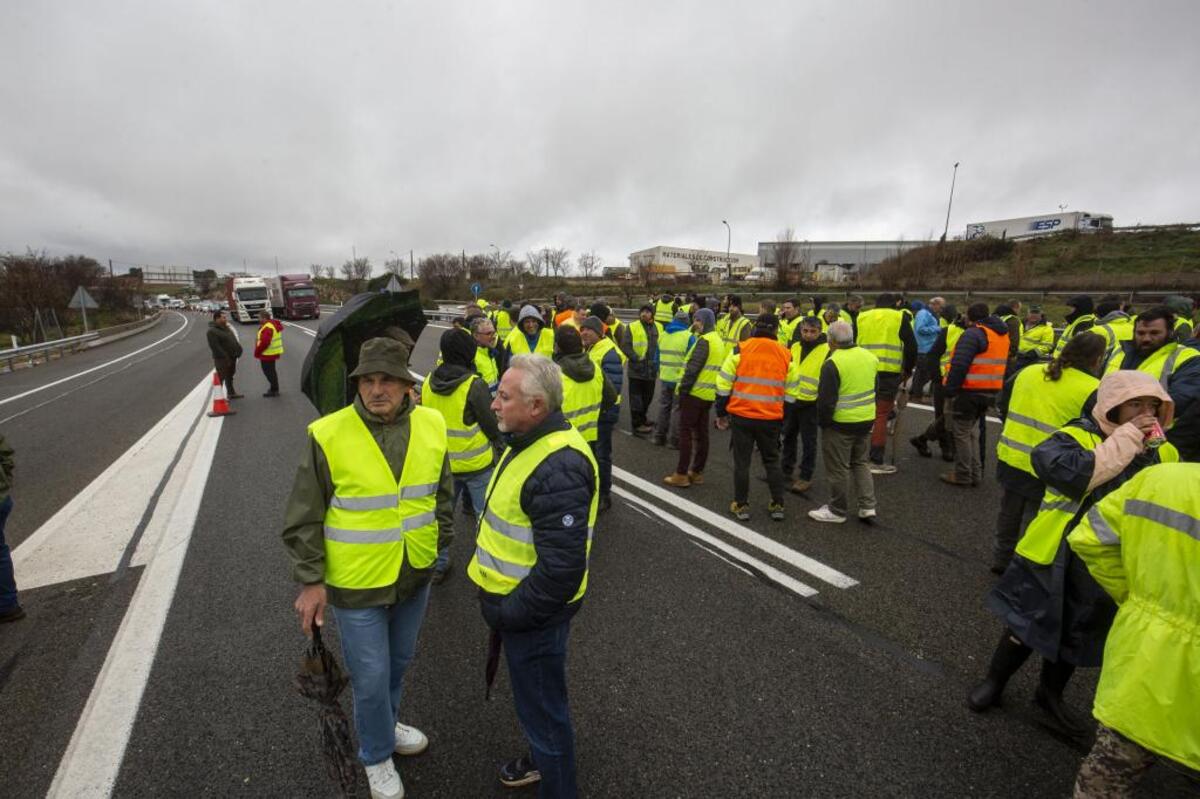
(82, 299)
(476, 288)
(393, 286)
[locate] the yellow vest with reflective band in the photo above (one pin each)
(1163, 363)
(953, 334)
(504, 551)
(614, 329)
(856, 392)
(1180, 323)
(599, 350)
(1039, 338)
(663, 311)
(1038, 407)
(1070, 330)
(581, 403)
(276, 345)
(639, 340)
(731, 331)
(705, 387)
(485, 364)
(787, 329)
(806, 379)
(502, 319)
(671, 349)
(468, 447)
(1057, 511)
(374, 524)
(1114, 333)
(879, 332)
(1141, 543)
(519, 345)
(844, 316)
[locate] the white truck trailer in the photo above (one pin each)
(246, 296)
(1029, 226)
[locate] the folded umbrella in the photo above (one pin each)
(321, 678)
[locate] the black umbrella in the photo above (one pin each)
(334, 352)
(321, 678)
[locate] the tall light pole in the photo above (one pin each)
(497, 259)
(728, 242)
(950, 204)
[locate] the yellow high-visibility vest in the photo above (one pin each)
(375, 524)
(581, 403)
(485, 364)
(467, 446)
(808, 372)
(856, 395)
(519, 345)
(705, 387)
(275, 347)
(671, 350)
(879, 332)
(1038, 407)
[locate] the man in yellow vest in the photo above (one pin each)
(268, 348)
(733, 327)
(1037, 338)
(603, 352)
(800, 415)
(530, 335)
(460, 394)
(488, 355)
(789, 319)
(672, 349)
(939, 429)
(1079, 319)
(886, 331)
(371, 507)
(1176, 366)
(639, 342)
(1183, 309)
(1141, 543)
(531, 563)
(503, 320)
(846, 412)
(664, 308)
(697, 389)
(587, 393)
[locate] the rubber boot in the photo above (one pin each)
(1049, 697)
(1009, 656)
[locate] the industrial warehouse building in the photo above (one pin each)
(829, 261)
(664, 263)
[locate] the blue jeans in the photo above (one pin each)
(377, 645)
(8, 583)
(537, 671)
(476, 486)
(603, 447)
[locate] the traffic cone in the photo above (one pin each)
(220, 405)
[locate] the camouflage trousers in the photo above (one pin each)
(1113, 767)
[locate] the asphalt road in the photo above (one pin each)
(710, 658)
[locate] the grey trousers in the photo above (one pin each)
(969, 412)
(666, 425)
(845, 456)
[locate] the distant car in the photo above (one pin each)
(176, 304)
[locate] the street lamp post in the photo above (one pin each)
(950, 204)
(728, 243)
(497, 259)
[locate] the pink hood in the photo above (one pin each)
(1117, 387)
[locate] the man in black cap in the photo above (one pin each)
(639, 342)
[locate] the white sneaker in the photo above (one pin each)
(866, 513)
(385, 782)
(825, 514)
(410, 740)
(882, 468)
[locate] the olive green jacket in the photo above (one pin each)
(304, 519)
(6, 468)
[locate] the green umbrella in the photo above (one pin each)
(334, 352)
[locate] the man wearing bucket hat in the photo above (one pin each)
(370, 509)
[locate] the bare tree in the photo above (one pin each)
(357, 271)
(558, 260)
(441, 274)
(536, 261)
(330, 272)
(395, 267)
(789, 260)
(590, 264)
(316, 270)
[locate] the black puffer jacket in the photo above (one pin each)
(557, 498)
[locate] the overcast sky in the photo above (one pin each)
(205, 133)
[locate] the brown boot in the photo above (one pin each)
(677, 480)
(697, 478)
(800, 486)
(952, 479)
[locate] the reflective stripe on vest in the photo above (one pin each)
(1039, 338)
(705, 387)
(519, 345)
(638, 339)
(1057, 511)
(374, 524)
(671, 350)
(856, 393)
(664, 312)
(485, 365)
(731, 331)
(275, 347)
(504, 549)
(581, 403)
(879, 333)
(787, 328)
(986, 372)
(1071, 330)
(467, 447)
(504, 324)
(755, 379)
(808, 373)
(953, 334)
(1163, 362)
(1038, 407)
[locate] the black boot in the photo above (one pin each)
(1009, 656)
(922, 446)
(1049, 697)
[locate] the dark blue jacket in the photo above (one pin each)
(614, 370)
(972, 342)
(557, 498)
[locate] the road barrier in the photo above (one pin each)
(33, 354)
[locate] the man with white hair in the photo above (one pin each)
(531, 562)
(927, 324)
(846, 413)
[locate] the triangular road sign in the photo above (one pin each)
(82, 299)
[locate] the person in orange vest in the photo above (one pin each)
(268, 348)
(751, 392)
(975, 379)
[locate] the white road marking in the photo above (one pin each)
(89, 534)
(930, 408)
(719, 557)
(770, 572)
(741, 532)
(15, 397)
(92, 761)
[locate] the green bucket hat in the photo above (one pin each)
(383, 355)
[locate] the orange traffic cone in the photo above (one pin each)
(220, 403)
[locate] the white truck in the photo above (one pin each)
(1026, 227)
(246, 296)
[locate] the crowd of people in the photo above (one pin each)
(1096, 462)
